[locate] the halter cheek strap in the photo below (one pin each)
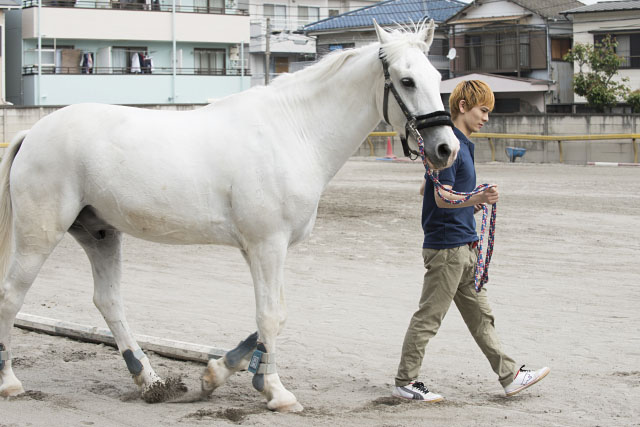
(414, 123)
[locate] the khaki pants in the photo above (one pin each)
(450, 277)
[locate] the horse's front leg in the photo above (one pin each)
(266, 261)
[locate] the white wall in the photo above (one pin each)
(97, 24)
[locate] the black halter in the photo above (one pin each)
(414, 123)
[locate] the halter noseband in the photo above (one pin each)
(414, 123)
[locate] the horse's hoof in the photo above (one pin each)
(11, 390)
(162, 391)
(214, 376)
(289, 407)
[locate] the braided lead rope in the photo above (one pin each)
(482, 266)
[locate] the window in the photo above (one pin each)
(278, 15)
(307, 15)
(559, 48)
(210, 61)
(439, 47)
(628, 48)
(127, 59)
(54, 55)
(209, 6)
(333, 12)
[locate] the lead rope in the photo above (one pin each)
(482, 267)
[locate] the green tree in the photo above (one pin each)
(597, 84)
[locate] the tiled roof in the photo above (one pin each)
(607, 6)
(548, 8)
(390, 12)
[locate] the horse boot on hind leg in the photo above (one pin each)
(102, 245)
(218, 371)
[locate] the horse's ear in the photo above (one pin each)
(383, 36)
(428, 31)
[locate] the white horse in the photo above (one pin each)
(247, 171)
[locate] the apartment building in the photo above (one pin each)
(126, 51)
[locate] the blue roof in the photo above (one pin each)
(390, 12)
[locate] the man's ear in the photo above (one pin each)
(462, 105)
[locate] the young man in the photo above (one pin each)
(450, 256)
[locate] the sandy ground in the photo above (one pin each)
(564, 289)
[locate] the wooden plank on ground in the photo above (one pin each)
(169, 348)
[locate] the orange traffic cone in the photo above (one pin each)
(390, 154)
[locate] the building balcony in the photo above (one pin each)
(156, 88)
(103, 20)
(281, 41)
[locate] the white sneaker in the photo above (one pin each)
(525, 378)
(416, 391)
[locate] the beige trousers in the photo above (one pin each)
(450, 277)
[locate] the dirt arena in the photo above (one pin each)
(564, 287)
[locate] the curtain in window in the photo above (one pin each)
(119, 60)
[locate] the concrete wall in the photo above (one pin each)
(574, 152)
(14, 119)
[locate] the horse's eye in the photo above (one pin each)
(408, 82)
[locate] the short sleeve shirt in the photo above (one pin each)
(446, 228)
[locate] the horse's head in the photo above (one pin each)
(415, 109)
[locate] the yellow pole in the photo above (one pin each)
(371, 152)
(560, 150)
(493, 150)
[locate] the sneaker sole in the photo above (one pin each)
(439, 399)
(528, 385)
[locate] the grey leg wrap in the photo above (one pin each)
(133, 360)
(233, 357)
(4, 355)
(261, 363)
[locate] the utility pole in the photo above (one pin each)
(267, 53)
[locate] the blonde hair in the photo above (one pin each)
(473, 92)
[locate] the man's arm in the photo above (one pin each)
(490, 196)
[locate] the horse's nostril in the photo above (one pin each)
(444, 151)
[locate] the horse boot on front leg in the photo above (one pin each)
(267, 381)
(217, 371)
(154, 390)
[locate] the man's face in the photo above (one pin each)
(476, 117)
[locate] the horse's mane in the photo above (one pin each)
(410, 35)
(402, 37)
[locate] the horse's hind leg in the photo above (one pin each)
(31, 251)
(102, 244)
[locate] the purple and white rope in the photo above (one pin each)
(482, 265)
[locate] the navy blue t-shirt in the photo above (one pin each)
(451, 227)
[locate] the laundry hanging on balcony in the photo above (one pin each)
(86, 63)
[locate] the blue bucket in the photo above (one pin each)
(513, 152)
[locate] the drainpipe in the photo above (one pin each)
(39, 92)
(242, 65)
(175, 53)
(549, 93)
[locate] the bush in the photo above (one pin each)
(634, 100)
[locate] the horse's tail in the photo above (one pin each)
(6, 212)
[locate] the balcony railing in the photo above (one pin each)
(151, 5)
(103, 71)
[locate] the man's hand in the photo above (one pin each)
(478, 208)
(489, 196)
